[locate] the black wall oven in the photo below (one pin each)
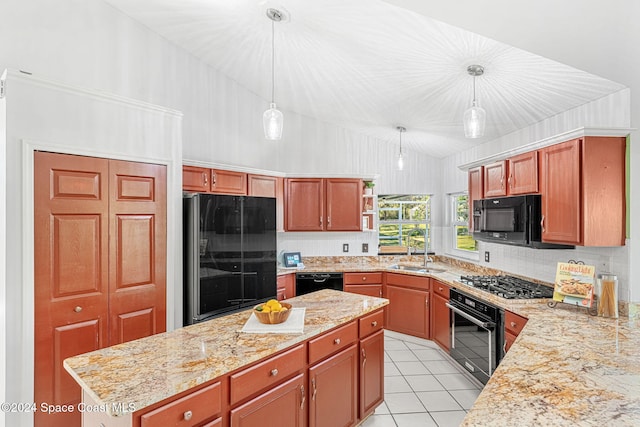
(476, 334)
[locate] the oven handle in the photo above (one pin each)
(486, 325)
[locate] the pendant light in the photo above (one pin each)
(400, 159)
(272, 119)
(474, 116)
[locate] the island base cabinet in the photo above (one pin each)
(333, 388)
(284, 405)
(371, 373)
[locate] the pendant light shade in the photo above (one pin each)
(272, 119)
(474, 117)
(400, 158)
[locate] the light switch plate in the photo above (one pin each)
(486, 256)
(345, 247)
(365, 247)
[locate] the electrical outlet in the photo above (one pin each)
(486, 256)
(365, 247)
(345, 247)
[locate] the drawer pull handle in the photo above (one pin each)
(78, 309)
(188, 415)
(513, 324)
(206, 180)
(336, 341)
(440, 289)
(364, 278)
(304, 397)
(374, 323)
(274, 372)
(364, 358)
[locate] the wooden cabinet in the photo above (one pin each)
(440, 315)
(228, 182)
(190, 410)
(523, 174)
(495, 175)
(283, 405)
(363, 283)
(371, 372)
(286, 286)
(196, 179)
(323, 204)
(583, 192)
(513, 325)
(268, 186)
(333, 388)
(516, 175)
(476, 190)
(408, 310)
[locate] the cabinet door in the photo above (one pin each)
(343, 204)
(262, 185)
(371, 373)
(494, 179)
(369, 290)
(304, 204)
(228, 182)
(408, 311)
(440, 321)
(137, 250)
(195, 179)
(523, 173)
(509, 338)
(561, 196)
(476, 190)
(283, 405)
(333, 385)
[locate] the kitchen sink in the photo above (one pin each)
(416, 268)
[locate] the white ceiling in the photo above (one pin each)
(370, 66)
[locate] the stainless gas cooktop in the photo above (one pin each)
(508, 287)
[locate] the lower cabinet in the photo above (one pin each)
(440, 315)
(513, 324)
(283, 405)
(333, 388)
(188, 411)
(369, 284)
(408, 309)
(371, 373)
(286, 286)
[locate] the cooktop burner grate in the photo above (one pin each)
(508, 287)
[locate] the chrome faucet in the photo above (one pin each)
(409, 234)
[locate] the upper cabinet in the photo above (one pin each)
(228, 182)
(516, 175)
(583, 191)
(195, 179)
(323, 204)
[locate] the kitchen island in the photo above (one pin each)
(128, 382)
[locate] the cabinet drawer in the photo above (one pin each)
(440, 289)
(366, 278)
(266, 373)
(408, 281)
(513, 323)
(332, 341)
(371, 323)
(187, 411)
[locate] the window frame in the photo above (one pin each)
(453, 223)
(407, 224)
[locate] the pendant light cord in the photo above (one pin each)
(474, 91)
(273, 54)
(401, 141)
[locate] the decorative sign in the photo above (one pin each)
(574, 284)
(291, 259)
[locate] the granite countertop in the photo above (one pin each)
(149, 370)
(566, 368)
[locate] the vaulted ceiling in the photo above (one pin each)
(370, 66)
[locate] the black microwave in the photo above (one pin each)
(512, 220)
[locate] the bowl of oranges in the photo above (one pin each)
(272, 312)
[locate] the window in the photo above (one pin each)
(404, 220)
(460, 222)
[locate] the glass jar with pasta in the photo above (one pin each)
(607, 292)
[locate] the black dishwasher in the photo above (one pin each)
(311, 282)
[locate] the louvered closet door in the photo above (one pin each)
(71, 273)
(137, 267)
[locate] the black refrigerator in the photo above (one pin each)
(229, 254)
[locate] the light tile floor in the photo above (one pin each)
(423, 386)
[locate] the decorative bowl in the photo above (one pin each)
(273, 317)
